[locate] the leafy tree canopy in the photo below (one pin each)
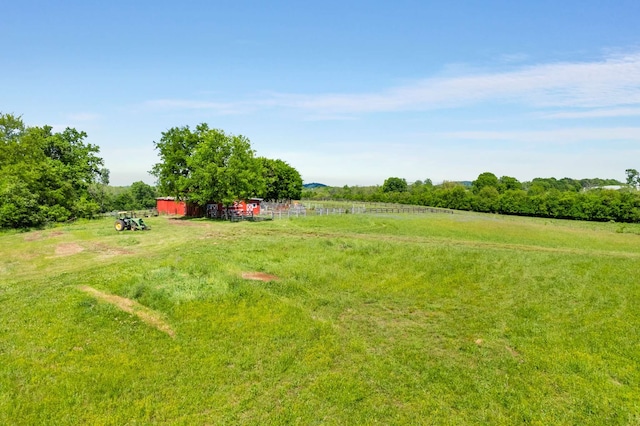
(508, 182)
(395, 184)
(633, 177)
(207, 165)
(45, 176)
(143, 195)
(282, 182)
(485, 179)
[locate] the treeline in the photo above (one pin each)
(138, 196)
(584, 199)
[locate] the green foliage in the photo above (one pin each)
(11, 130)
(394, 184)
(453, 197)
(508, 182)
(99, 191)
(207, 165)
(144, 196)
(18, 205)
(568, 184)
(486, 179)
(543, 197)
(46, 176)
(488, 200)
(282, 182)
(138, 196)
(633, 177)
(124, 201)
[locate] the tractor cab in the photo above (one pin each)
(126, 215)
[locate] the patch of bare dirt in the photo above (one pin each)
(147, 315)
(33, 236)
(68, 249)
(259, 276)
(39, 235)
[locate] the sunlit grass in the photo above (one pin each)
(463, 319)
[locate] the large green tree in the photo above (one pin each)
(207, 164)
(45, 175)
(282, 182)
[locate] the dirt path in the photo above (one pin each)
(68, 249)
(147, 315)
(258, 276)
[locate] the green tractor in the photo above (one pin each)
(128, 220)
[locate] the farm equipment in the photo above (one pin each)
(128, 220)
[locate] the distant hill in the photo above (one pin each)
(313, 185)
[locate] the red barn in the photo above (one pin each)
(169, 205)
(248, 207)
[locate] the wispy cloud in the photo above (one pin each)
(565, 135)
(613, 81)
(595, 113)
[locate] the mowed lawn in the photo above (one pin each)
(362, 319)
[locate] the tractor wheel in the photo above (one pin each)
(119, 225)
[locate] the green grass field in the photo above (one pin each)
(431, 319)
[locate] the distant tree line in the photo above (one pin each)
(566, 198)
(137, 196)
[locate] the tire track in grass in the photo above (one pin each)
(147, 315)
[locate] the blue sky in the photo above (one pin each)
(347, 92)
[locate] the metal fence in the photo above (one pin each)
(285, 210)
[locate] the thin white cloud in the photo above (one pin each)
(567, 135)
(611, 82)
(596, 113)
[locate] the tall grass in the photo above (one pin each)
(461, 319)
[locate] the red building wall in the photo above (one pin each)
(169, 205)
